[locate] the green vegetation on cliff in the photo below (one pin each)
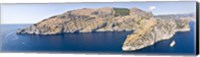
(121, 11)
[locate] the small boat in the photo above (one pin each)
(172, 43)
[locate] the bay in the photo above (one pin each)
(97, 42)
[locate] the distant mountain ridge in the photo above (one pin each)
(176, 16)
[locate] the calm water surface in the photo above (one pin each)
(98, 42)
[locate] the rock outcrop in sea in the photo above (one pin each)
(147, 29)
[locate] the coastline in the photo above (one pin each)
(130, 48)
(148, 47)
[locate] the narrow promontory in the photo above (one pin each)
(147, 29)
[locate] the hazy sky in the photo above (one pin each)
(33, 13)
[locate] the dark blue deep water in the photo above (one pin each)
(97, 42)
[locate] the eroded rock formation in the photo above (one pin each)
(147, 29)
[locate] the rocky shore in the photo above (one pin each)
(162, 30)
(147, 29)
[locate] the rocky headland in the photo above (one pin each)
(147, 29)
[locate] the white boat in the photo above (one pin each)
(172, 43)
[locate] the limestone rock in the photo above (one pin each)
(162, 30)
(147, 29)
(85, 20)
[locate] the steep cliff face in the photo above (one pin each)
(81, 20)
(88, 20)
(148, 30)
(161, 30)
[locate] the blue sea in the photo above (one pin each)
(97, 42)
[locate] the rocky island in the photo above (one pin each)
(147, 28)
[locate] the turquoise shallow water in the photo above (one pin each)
(97, 42)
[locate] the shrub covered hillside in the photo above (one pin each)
(121, 11)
